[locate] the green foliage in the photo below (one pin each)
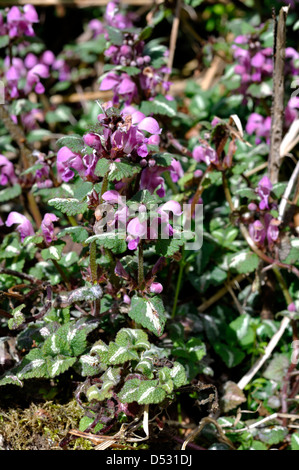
(148, 312)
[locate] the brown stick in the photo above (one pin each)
(173, 38)
(277, 114)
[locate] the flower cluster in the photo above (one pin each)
(23, 71)
(266, 227)
(112, 17)
(147, 77)
(255, 63)
(19, 21)
(120, 136)
(260, 126)
(145, 225)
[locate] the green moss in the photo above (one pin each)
(40, 427)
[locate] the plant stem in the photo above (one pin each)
(178, 285)
(277, 117)
(93, 261)
(140, 265)
(62, 274)
(173, 37)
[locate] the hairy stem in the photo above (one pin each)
(178, 285)
(140, 265)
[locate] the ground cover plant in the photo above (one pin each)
(149, 257)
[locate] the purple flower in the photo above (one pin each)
(150, 125)
(272, 232)
(124, 88)
(66, 161)
(24, 227)
(292, 307)
(19, 22)
(7, 173)
(156, 288)
(152, 180)
(204, 153)
(176, 170)
(272, 229)
(264, 190)
(259, 126)
(48, 227)
(257, 232)
(126, 299)
(33, 78)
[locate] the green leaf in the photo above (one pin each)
(18, 317)
(112, 242)
(109, 379)
(149, 392)
(129, 392)
(69, 206)
(295, 441)
(273, 435)
(241, 331)
(86, 293)
(69, 340)
(120, 170)
(149, 312)
(145, 33)
(164, 159)
(277, 368)
(132, 338)
(160, 105)
(37, 135)
(178, 375)
(33, 365)
(144, 197)
(115, 35)
(10, 193)
(4, 40)
(243, 262)
(78, 234)
(145, 366)
(229, 354)
(101, 349)
(59, 364)
(278, 189)
(119, 354)
(102, 167)
(91, 365)
(54, 251)
(10, 379)
(168, 247)
(73, 142)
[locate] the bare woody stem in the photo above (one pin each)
(173, 37)
(277, 114)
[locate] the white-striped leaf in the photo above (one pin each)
(148, 312)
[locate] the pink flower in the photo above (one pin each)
(204, 153)
(264, 190)
(48, 227)
(24, 227)
(7, 173)
(66, 161)
(19, 22)
(257, 232)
